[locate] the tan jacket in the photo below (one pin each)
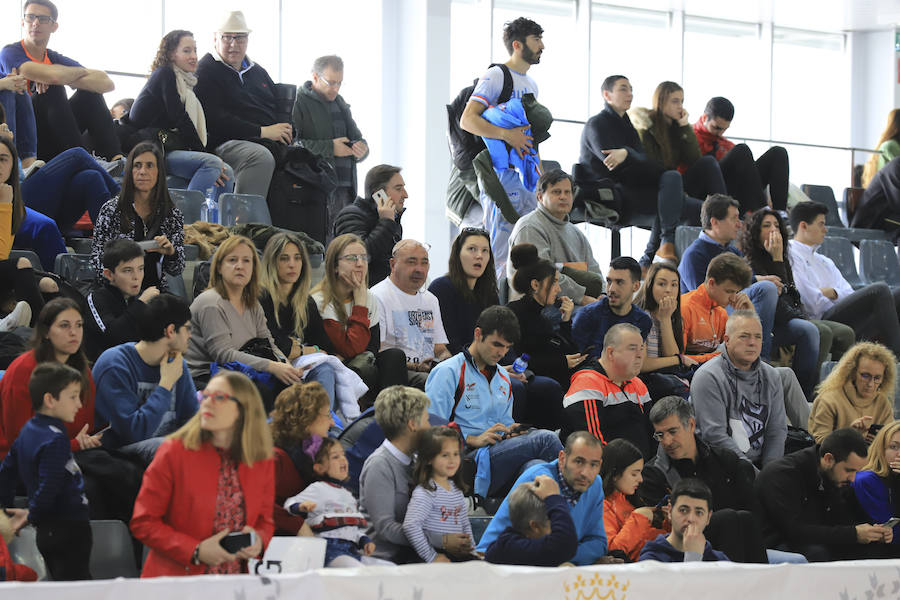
(834, 410)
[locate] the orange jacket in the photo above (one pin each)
(627, 530)
(704, 324)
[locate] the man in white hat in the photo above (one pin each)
(238, 97)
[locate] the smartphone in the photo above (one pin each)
(349, 144)
(520, 428)
(148, 244)
(890, 522)
(381, 195)
(874, 428)
(663, 501)
(236, 540)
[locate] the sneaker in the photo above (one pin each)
(19, 317)
(116, 168)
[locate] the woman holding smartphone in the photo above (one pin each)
(211, 479)
(145, 213)
(877, 486)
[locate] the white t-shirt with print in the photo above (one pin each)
(487, 90)
(411, 322)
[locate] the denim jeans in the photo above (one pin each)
(199, 171)
(68, 185)
(804, 335)
(324, 374)
(509, 457)
(20, 119)
(778, 557)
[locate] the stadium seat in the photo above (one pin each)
(823, 194)
(177, 286)
(840, 250)
(189, 202)
(35, 261)
(239, 209)
(23, 550)
(112, 553)
(74, 267)
(81, 245)
(684, 236)
(878, 262)
(503, 289)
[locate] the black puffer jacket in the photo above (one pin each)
(379, 235)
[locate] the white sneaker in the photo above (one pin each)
(19, 317)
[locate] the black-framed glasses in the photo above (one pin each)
(355, 257)
(237, 38)
(42, 19)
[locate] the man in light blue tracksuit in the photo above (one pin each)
(470, 389)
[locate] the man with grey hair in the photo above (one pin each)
(324, 125)
(739, 398)
(238, 98)
(384, 483)
(608, 399)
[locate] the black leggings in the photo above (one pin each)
(746, 179)
(61, 123)
(66, 548)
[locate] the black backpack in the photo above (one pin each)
(464, 146)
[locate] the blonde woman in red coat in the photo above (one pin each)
(212, 477)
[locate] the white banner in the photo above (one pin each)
(475, 580)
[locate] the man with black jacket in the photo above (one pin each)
(238, 98)
(682, 455)
(377, 220)
(805, 506)
(118, 304)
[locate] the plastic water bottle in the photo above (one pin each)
(520, 364)
(210, 210)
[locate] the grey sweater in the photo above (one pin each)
(557, 241)
(740, 410)
(218, 331)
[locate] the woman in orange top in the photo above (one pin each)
(627, 528)
(213, 477)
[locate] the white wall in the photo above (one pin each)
(873, 85)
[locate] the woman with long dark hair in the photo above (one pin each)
(765, 248)
(167, 106)
(660, 298)
(58, 336)
(144, 212)
(469, 286)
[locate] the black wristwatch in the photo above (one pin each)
(195, 557)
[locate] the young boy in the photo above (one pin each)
(690, 511)
(118, 303)
(703, 309)
(541, 531)
(333, 513)
(42, 458)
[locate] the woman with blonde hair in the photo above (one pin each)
(858, 393)
(227, 322)
(877, 485)
(211, 478)
(349, 314)
(299, 422)
(668, 138)
(888, 148)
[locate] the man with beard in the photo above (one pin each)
(803, 501)
(577, 472)
(593, 321)
(471, 390)
(410, 317)
(738, 398)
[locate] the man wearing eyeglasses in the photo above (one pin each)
(238, 98)
(144, 389)
(59, 122)
(376, 218)
(326, 128)
(410, 316)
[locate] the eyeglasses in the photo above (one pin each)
(355, 257)
(659, 435)
(869, 378)
(42, 19)
(237, 38)
(335, 84)
(217, 397)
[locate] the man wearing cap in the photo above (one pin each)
(238, 97)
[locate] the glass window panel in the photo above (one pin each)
(726, 58)
(127, 86)
(560, 62)
(470, 35)
(620, 43)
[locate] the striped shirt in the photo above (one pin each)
(440, 511)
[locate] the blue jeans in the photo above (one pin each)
(199, 170)
(509, 457)
(764, 296)
(71, 183)
(324, 374)
(805, 336)
(20, 119)
(777, 557)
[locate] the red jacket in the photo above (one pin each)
(627, 530)
(176, 507)
(288, 483)
(708, 140)
(16, 409)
